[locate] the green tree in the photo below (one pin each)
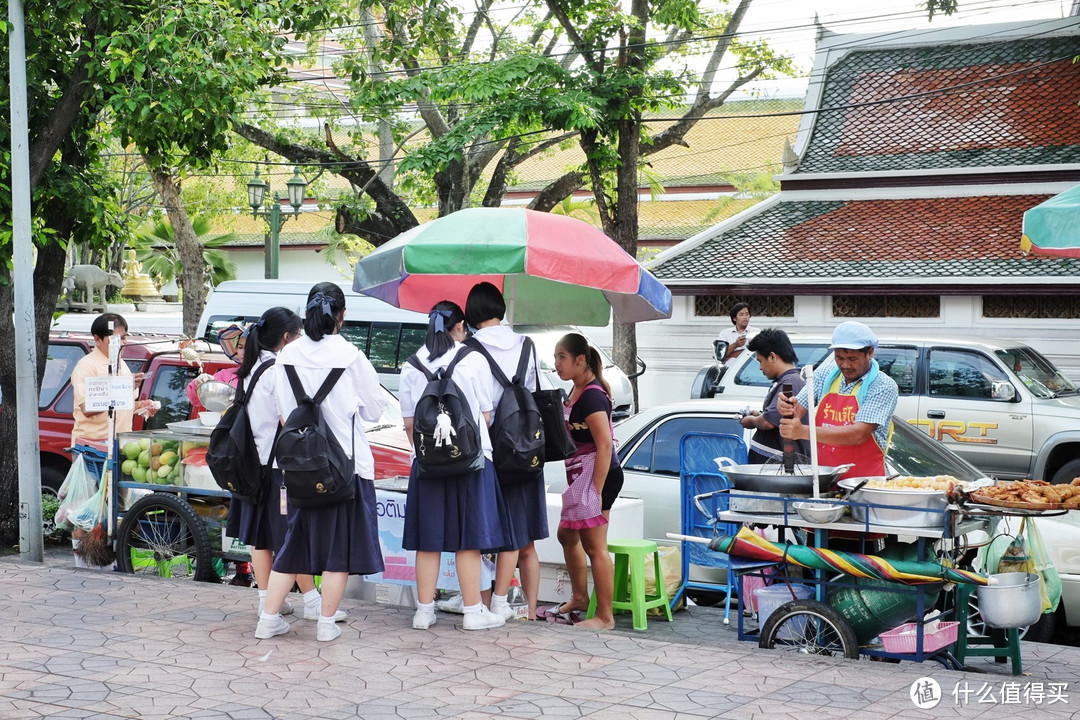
(168, 77)
(486, 107)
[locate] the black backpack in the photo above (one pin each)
(517, 430)
(315, 469)
(442, 407)
(232, 455)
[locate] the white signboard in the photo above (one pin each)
(108, 391)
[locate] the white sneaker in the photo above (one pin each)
(286, 607)
(504, 610)
(483, 620)
(452, 605)
(314, 613)
(269, 628)
(423, 619)
(327, 632)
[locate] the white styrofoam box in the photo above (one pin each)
(627, 520)
(554, 584)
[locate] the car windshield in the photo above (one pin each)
(807, 353)
(391, 415)
(913, 452)
(1037, 373)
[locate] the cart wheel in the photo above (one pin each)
(809, 627)
(162, 536)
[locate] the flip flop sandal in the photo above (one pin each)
(569, 618)
(548, 613)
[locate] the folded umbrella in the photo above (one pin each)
(747, 544)
(551, 269)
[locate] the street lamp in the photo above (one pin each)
(257, 188)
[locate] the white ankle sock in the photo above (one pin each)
(262, 595)
(323, 620)
(312, 598)
(497, 600)
(269, 616)
(469, 609)
(429, 606)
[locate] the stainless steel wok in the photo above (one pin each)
(771, 478)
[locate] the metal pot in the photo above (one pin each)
(910, 508)
(771, 478)
(1012, 600)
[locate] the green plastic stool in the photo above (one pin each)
(1004, 644)
(630, 558)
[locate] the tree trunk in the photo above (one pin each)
(48, 275)
(193, 264)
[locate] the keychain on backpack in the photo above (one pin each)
(283, 504)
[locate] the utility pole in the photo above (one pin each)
(31, 543)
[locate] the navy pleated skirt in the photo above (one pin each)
(260, 524)
(343, 537)
(448, 514)
(525, 512)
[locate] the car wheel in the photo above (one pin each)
(52, 477)
(1066, 473)
(1042, 631)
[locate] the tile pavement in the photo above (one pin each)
(87, 644)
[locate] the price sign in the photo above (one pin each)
(107, 392)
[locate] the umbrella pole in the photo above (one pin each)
(513, 295)
(808, 373)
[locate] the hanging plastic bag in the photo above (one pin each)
(1044, 566)
(90, 512)
(79, 486)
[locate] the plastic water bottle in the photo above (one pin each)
(515, 598)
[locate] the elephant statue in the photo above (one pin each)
(92, 281)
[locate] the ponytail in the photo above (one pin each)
(442, 318)
(274, 324)
(325, 305)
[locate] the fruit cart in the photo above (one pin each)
(174, 522)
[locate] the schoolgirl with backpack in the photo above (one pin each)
(323, 387)
(514, 369)
(454, 501)
(251, 425)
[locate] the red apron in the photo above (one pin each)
(837, 409)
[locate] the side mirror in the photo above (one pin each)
(719, 350)
(1002, 390)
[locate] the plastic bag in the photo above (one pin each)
(1026, 553)
(671, 570)
(90, 512)
(78, 487)
(1044, 566)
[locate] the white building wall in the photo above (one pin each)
(676, 349)
(302, 264)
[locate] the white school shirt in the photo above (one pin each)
(505, 347)
(357, 391)
(472, 375)
(262, 407)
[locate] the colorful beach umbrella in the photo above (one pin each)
(1053, 227)
(552, 269)
(747, 544)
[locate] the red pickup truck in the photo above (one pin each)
(167, 375)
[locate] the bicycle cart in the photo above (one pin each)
(174, 522)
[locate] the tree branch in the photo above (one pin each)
(572, 33)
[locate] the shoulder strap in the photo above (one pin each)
(324, 389)
(415, 362)
(465, 350)
(242, 400)
(328, 384)
(496, 371)
(523, 363)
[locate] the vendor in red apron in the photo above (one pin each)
(854, 402)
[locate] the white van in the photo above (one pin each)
(386, 334)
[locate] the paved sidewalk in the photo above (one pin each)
(86, 644)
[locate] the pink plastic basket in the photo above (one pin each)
(902, 639)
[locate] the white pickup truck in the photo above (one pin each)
(1001, 406)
